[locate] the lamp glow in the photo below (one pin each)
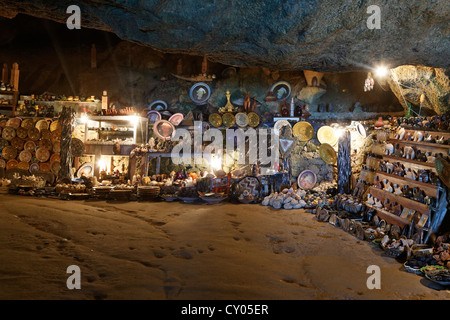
(381, 71)
(84, 118)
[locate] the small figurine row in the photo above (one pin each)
(411, 153)
(437, 122)
(419, 136)
(422, 175)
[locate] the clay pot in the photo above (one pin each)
(379, 123)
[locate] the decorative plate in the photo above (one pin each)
(279, 125)
(157, 105)
(252, 184)
(54, 167)
(46, 134)
(56, 146)
(55, 157)
(8, 133)
(3, 143)
(228, 120)
(17, 143)
(281, 90)
(42, 154)
(176, 119)
(56, 135)
(164, 129)
(87, 170)
(23, 165)
(327, 153)
(12, 164)
(34, 167)
(326, 134)
(41, 124)
(154, 116)
(34, 134)
(241, 119)
(55, 125)
(2, 163)
(45, 166)
(27, 124)
(253, 119)
(78, 147)
(9, 153)
(46, 143)
(22, 133)
(3, 123)
(361, 130)
(303, 130)
(29, 146)
(200, 93)
(13, 122)
(306, 179)
(215, 120)
(25, 156)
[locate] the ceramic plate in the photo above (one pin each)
(228, 120)
(327, 153)
(253, 119)
(13, 122)
(46, 143)
(87, 170)
(56, 135)
(12, 164)
(200, 93)
(25, 156)
(2, 163)
(55, 157)
(241, 119)
(279, 125)
(42, 154)
(41, 124)
(281, 90)
(22, 133)
(215, 120)
(27, 124)
(45, 166)
(46, 134)
(54, 167)
(326, 134)
(55, 126)
(29, 146)
(23, 165)
(153, 116)
(8, 133)
(158, 105)
(164, 129)
(176, 119)
(3, 143)
(34, 134)
(56, 146)
(9, 153)
(306, 179)
(78, 147)
(34, 167)
(17, 143)
(303, 130)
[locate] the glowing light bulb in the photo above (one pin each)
(381, 71)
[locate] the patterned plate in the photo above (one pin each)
(215, 120)
(306, 179)
(45, 166)
(55, 157)
(11, 164)
(327, 153)
(251, 184)
(54, 167)
(78, 148)
(55, 125)
(29, 146)
(22, 133)
(34, 167)
(18, 143)
(46, 134)
(25, 156)
(56, 135)
(13, 122)
(9, 153)
(23, 165)
(56, 146)
(42, 154)
(241, 119)
(253, 119)
(27, 124)
(34, 134)
(303, 130)
(326, 134)
(42, 124)
(3, 143)
(46, 143)
(228, 120)
(176, 119)
(153, 116)
(164, 129)
(8, 133)
(3, 123)
(2, 163)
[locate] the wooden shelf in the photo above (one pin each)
(413, 164)
(429, 189)
(389, 217)
(404, 202)
(421, 144)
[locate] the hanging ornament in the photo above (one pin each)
(422, 98)
(369, 82)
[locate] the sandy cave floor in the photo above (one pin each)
(160, 251)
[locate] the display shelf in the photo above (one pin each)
(429, 189)
(389, 217)
(381, 194)
(421, 144)
(413, 164)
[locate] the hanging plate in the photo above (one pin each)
(153, 116)
(25, 156)
(55, 125)
(12, 164)
(27, 124)
(326, 134)
(361, 130)
(55, 157)
(281, 90)
(3, 143)
(327, 153)
(46, 143)
(46, 134)
(253, 119)
(34, 134)
(56, 135)
(42, 154)
(158, 105)
(45, 166)
(200, 93)
(228, 120)
(34, 167)
(9, 153)
(42, 124)
(176, 119)
(13, 122)
(22, 133)
(18, 143)
(8, 133)
(303, 130)
(29, 146)
(215, 120)
(241, 119)
(307, 179)
(164, 129)
(87, 170)
(23, 165)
